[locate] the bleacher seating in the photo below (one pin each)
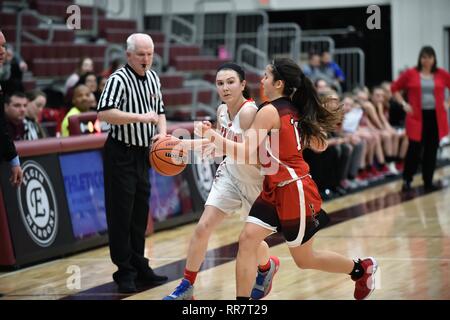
(253, 82)
(59, 36)
(171, 81)
(60, 59)
(196, 63)
(60, 67)
(183, 96)
(118, 36)
(58, 8)
(9, 20)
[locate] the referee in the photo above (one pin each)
(132, 103)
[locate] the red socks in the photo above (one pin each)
(190, 275)
(265, 267)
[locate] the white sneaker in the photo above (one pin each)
(392, 168)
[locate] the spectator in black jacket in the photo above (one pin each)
(7, 148)
(11, 72)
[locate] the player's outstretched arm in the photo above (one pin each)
(194, 144)
(265, 120)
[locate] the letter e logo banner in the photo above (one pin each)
(37, 204)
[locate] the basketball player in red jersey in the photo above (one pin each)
(290, 202)
(236, 186)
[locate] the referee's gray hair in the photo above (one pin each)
(132, 39)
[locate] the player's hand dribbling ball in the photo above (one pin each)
(167, 157)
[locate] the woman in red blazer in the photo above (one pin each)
(426, 118)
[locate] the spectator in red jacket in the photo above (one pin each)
(426, 119)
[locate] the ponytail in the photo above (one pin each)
(246, 92)
(316, 117)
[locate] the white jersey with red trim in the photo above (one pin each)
(231, 129)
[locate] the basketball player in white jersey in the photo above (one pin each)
(235, 188)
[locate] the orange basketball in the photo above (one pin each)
(165, 158)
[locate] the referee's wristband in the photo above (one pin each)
(15, 162)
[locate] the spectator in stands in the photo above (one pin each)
(350, 148)
(11, 72)
(312, 69)
(7, 148)
(396, 117)
(330, 167)
(101, 85)
(382, 136)
(90, 80)
(353, 114)
(101, 80)
(92, 102)
(80, 102)
(332, 70)
(396, 113)
(116, 63)
(5, 68)
(36, 103)
(15, 107)
(322, 86)
(372, 138)
(426, 119)
(85, 65)
(392, 141)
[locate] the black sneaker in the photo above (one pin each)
(124, 281)
(126, 286)
(430, 187)
(149, 277)
(406, 186)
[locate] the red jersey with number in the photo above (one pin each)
(287, 183)
(284, 147)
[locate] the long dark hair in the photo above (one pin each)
(316, 117)
(83, 78)
(427, 51)
(80, 64)
(241, 73)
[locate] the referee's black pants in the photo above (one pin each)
(425, 150)
(127, 192)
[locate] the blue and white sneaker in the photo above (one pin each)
(184, 291)
(263, 283)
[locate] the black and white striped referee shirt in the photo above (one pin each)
(129, 92)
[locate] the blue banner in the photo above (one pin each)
(83, 181)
